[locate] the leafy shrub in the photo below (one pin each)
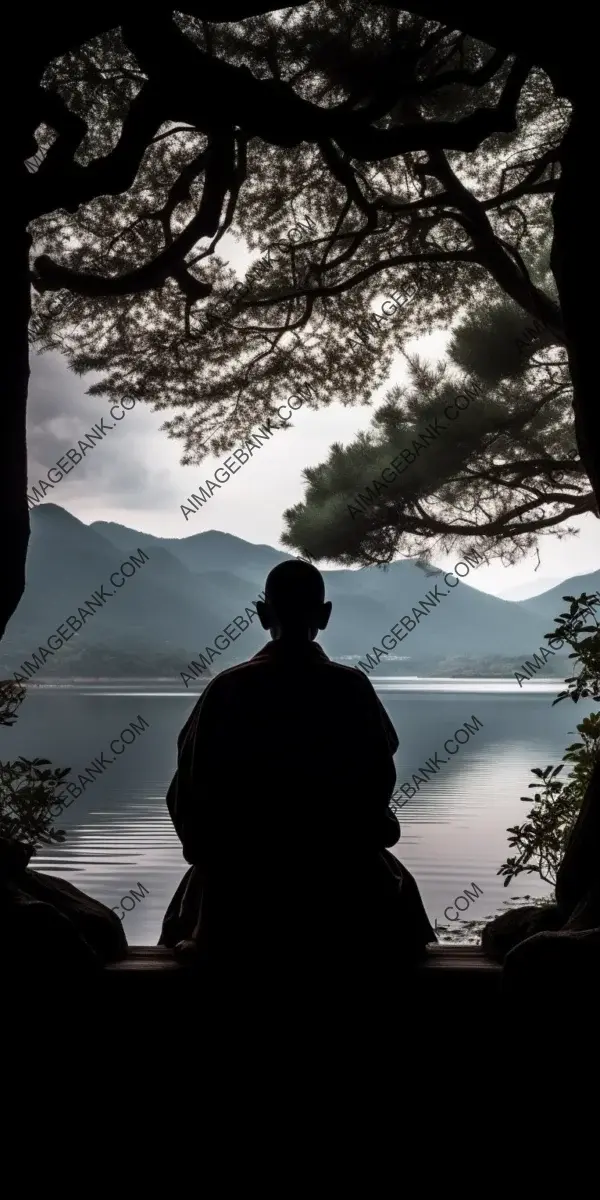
(585, 650)
(28, 788)
(541, 841)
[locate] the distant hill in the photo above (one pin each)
(209, 551)
(528, 591)
(551, 603)
(191, 588)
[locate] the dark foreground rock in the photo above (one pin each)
(48, 924)
(554, 950)
(501, 935)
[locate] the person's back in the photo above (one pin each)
(283, 785)
(294, 747)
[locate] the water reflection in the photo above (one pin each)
(453, 830)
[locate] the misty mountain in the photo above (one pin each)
(190, 588)
(210, 551)
(551, 603)
(531, 589)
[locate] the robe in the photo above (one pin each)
(281, 801)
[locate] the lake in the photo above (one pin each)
(119, 832)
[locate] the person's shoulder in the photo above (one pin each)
(343, 667)
(230, 676)
(351, 676)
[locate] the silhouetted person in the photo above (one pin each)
(281, 801)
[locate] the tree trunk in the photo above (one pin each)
(570, 262)
(14, 515)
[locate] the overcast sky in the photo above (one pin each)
(133, 476)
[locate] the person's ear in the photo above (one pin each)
(264, 614)
(324, 615)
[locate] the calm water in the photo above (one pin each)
(453, 830)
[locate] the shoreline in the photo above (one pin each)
(114, 680)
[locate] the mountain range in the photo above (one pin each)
(190, 588)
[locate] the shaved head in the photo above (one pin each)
(295, 591)
(294, 605)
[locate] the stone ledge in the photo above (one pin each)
(463, 960)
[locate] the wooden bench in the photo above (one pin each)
(150, 1008)
(450, 976)
(453, 999)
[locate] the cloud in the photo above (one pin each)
(134, 475)
(133, 460)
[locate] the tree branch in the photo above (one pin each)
(190, 85)
(220, 170)
(369, 145)
(476, 78)
(394, 260)
(512, 27)
(500, 526)
(491, 251)
(74, 184)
